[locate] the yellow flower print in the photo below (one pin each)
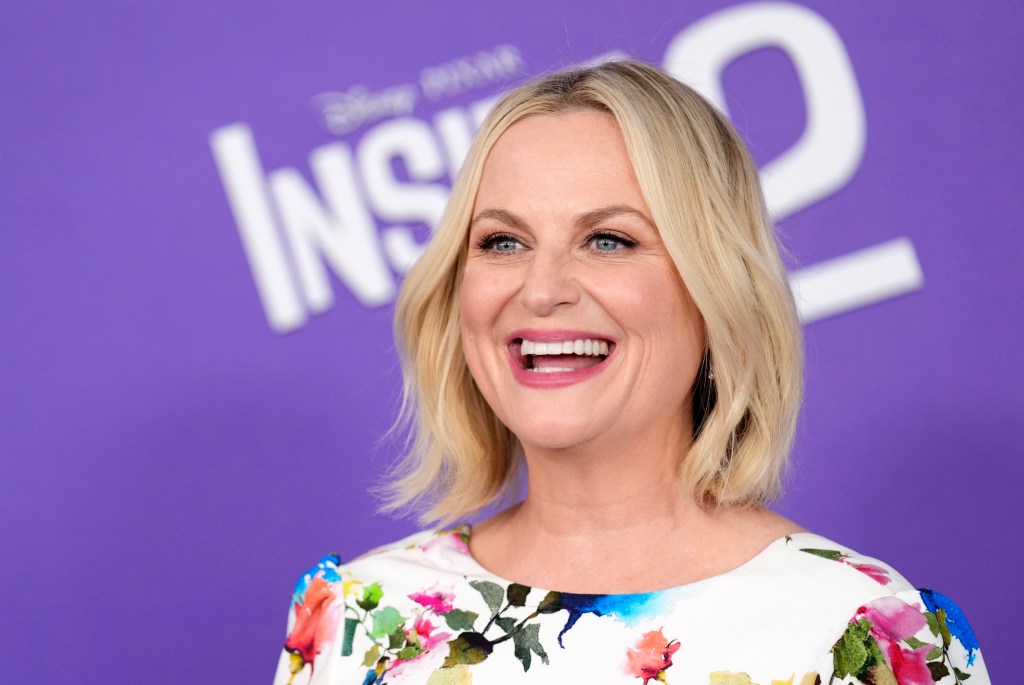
(455, 675)
(729, 678)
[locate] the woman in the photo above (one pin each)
(604, 305)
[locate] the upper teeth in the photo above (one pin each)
(585, 346)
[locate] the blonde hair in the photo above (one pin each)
(705, 197)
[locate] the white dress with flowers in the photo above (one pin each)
(805, 610)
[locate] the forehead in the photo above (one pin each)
(571, 161)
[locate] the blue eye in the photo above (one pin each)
(506, 245)
(503, 243)
(610, 242)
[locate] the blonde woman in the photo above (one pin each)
(603, 310)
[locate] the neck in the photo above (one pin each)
(607, 491)
(614, 519)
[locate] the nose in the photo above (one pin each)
(549, 284)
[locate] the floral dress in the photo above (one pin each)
(804, 610)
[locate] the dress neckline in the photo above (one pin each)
(459, 538)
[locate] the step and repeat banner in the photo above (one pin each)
(206, 210)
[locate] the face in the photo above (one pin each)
(575, 323)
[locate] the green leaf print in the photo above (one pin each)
(492, 594)
(960, 674)
(371, 656)
(938, 670)
(506, 623)
(457, 619)
(517, 594)
(350, 633)
(371, 597)
(849, 655)
(468, 648)
(877, 671)
(879, 674)
(552, 603)
(396, 639)
(833, 554)
(936, 653)
(940, 614)
(409, 652)
(386, 621)
(527, 640)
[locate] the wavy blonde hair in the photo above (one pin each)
(704, 194)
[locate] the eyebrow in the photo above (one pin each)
(501, 216)
(586, 220)
(596, 217)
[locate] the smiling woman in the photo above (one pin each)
(603, 308)
(563, 250)
(659, 163)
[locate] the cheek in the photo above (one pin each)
(474, 304)
(480, 303)
(659, 305)
(659, 310)
(679, 325)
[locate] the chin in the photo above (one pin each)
(556, 433)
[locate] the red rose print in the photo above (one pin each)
(651, 656)
(314, 623)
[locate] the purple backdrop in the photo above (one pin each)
(205, 208)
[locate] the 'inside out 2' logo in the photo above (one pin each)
(365, 217)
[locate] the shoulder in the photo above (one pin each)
(434, 543)
(895, 632)
(813, 579)
(421, 557)
(414, 568)
(826, 560)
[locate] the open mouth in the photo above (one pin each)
(563, 356)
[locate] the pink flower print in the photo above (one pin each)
(876, 573)
(457, 537)
(892, 622)
(651, 656)
(438, 601)
(427, 634)
(910, 666)
(460, 539)
(896, 619)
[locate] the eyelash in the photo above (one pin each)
(488, 242)
(627, 243)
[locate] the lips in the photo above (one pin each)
(557, 358)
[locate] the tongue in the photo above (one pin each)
(565, 361)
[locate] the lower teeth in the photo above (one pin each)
(549, 370)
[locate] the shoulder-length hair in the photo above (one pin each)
(704, 194)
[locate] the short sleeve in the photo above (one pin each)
(312, 622)
(916, 637)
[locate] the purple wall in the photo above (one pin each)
(175, 449)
